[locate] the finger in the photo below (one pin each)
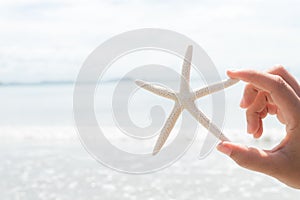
(282, 72)
(280, 117)
(253, 113)
(272, 109)
(282, 94)
(264, 113)
(260, 130)
(249, 95)
(248, 157)
(269, 98)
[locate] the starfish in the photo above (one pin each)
(185, 99)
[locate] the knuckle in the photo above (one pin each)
(278, 68)
(264, 113)
(249, 86)
(249, 116)
(249, 90)
(280, 82)
(249, 112)
(253, 75)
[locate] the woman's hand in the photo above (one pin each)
(273, 92)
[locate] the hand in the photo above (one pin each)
(273, 92)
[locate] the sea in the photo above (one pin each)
(42, 156)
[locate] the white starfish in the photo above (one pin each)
(185, 99)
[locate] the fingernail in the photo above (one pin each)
(231, 70)
(242, 103)
(248, 129)
(224, 149)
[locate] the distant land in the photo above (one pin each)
(103, 81)
(44, 83)
(36, 83)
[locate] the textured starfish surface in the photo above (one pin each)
(185, 99)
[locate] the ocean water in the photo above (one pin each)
(42, 158)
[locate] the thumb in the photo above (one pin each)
(248, 157)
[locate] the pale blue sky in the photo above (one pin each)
(49, 40)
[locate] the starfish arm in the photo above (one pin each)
(186, 69)
(202, 119)
(168, 126)
(214, 87)
(157, 89)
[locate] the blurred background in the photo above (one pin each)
(42, 47)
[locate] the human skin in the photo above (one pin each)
(274, 92)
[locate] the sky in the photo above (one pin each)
(49, 40)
